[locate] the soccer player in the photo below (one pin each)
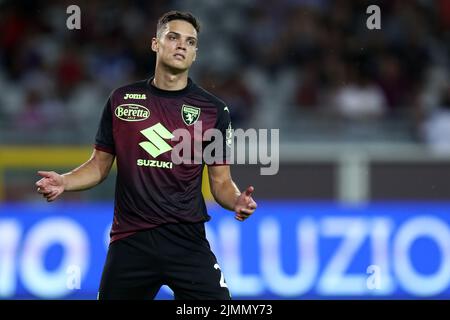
(158, 233)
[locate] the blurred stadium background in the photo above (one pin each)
(360, 207)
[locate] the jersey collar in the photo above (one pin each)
(169, 93)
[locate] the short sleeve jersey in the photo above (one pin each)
(138, 126)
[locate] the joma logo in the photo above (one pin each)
(136, 96)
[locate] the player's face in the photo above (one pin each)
(176, 47)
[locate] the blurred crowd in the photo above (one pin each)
(274, 62)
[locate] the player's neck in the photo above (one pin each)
(170, 82)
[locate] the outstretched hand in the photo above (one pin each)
(245, 205)
(51, 185)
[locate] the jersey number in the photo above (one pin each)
(222, 279)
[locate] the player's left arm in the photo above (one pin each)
(227, 194)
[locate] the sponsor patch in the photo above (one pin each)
(132, 112)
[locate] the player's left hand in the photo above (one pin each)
(245, 205)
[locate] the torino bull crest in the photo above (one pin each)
(190, 114)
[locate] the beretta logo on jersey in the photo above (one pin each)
(190, 114)
(132, 112)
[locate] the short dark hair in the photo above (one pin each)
(177, 15)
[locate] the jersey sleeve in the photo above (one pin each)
(223, 124)
(104, 140)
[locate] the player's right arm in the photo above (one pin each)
(86, 176)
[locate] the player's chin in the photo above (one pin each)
(179, 65)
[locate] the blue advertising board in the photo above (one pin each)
(286, 250)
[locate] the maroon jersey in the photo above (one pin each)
(137, 125)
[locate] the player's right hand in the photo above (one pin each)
(51, 185)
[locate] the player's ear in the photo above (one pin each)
(154, 44)
(195, 55)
